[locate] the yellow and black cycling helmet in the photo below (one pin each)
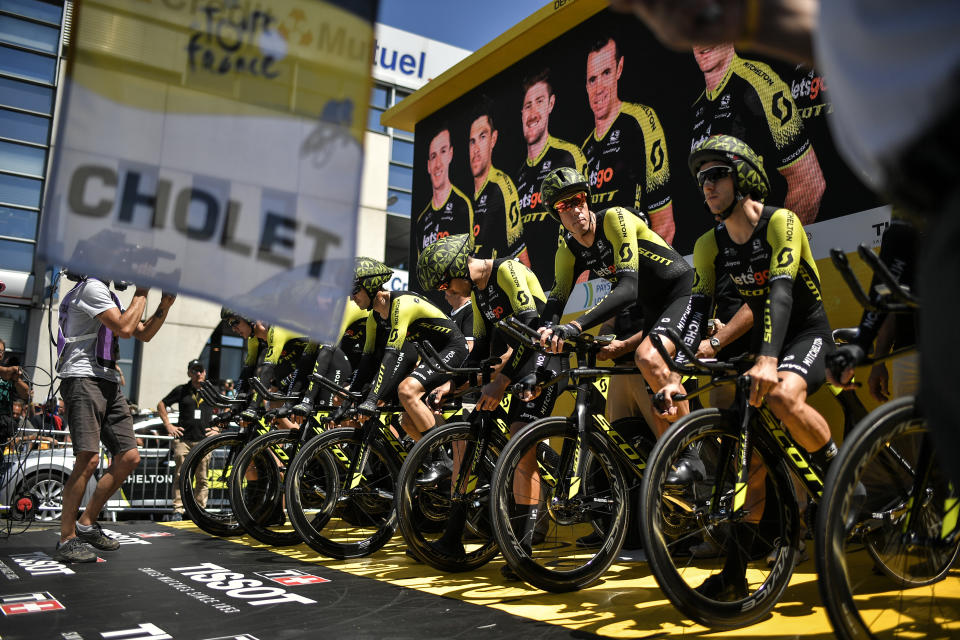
(444, 260)
(560, 183)
(749, 177)
(370, 275)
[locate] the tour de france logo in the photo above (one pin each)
(294, 28)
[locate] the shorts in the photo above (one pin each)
(805, 355)
(98, 413)
(673, 315)
(430, 378)
(542, 405)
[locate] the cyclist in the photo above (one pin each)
(398, 318)
(499, 289)
(765, 251)
(898, 251)
(617, 245)
(332, 363)
(279, 364)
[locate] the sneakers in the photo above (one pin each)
(433, 474)
(173, 517)
(717, 588)
(689, 469)
(590, 541)
(97, 539)
(509, 574)
(707, 549)
(802, 555)
(75, 550)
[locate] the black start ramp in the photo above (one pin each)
(166, 583)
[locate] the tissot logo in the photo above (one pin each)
(40, 564)
(37, 602)
(235, 585)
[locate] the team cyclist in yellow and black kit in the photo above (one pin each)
(333, 363)
(280, 358)
(397, 319)
(764, 250)
(618, 246)
(499, 288)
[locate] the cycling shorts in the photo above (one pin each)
(542, 405)
(805, 355)
(430, 378)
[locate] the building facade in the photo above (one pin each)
(34, 42)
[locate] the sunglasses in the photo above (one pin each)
(233, 322)
(573, 202)
(713, 174)
(357, 288)
(443, 286)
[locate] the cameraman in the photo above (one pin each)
(11, 387)
(91, 322)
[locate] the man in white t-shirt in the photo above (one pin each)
(91, 323)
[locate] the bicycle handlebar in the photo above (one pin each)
(211, 395)
(330, 385)
(894, 297)
(260, 388)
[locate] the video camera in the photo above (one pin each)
(111, 250)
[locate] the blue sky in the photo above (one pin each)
(468, 24)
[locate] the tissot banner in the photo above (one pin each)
(607, 99)
(214, 148)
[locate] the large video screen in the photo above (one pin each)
(609, 100)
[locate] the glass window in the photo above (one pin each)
(17, 190)
(34, 9)
(13, 328)
(402, 133)
(373, 120)
(399, 176)
(402, 150)
(14, 93)
(21, 158)
(31, 66)
(380, 97)
(16, 256)
(399, 95)
(29, 34)
(397, 250)
(398, 202)
(126, 359)
(18, 223)
(22, 126)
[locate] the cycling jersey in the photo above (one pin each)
(454, 216)
(774, 272)
(497, 228)
(753, 104)
(411, 319)
(539, 229)
(353, 332)
(625, 251)
(512, 290)
(628, 163)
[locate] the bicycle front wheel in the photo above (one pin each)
(674, 519)
(214, 514)
(256, 487)
(424, 509)
(340, 493)
(882, 573)
(550, 551)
